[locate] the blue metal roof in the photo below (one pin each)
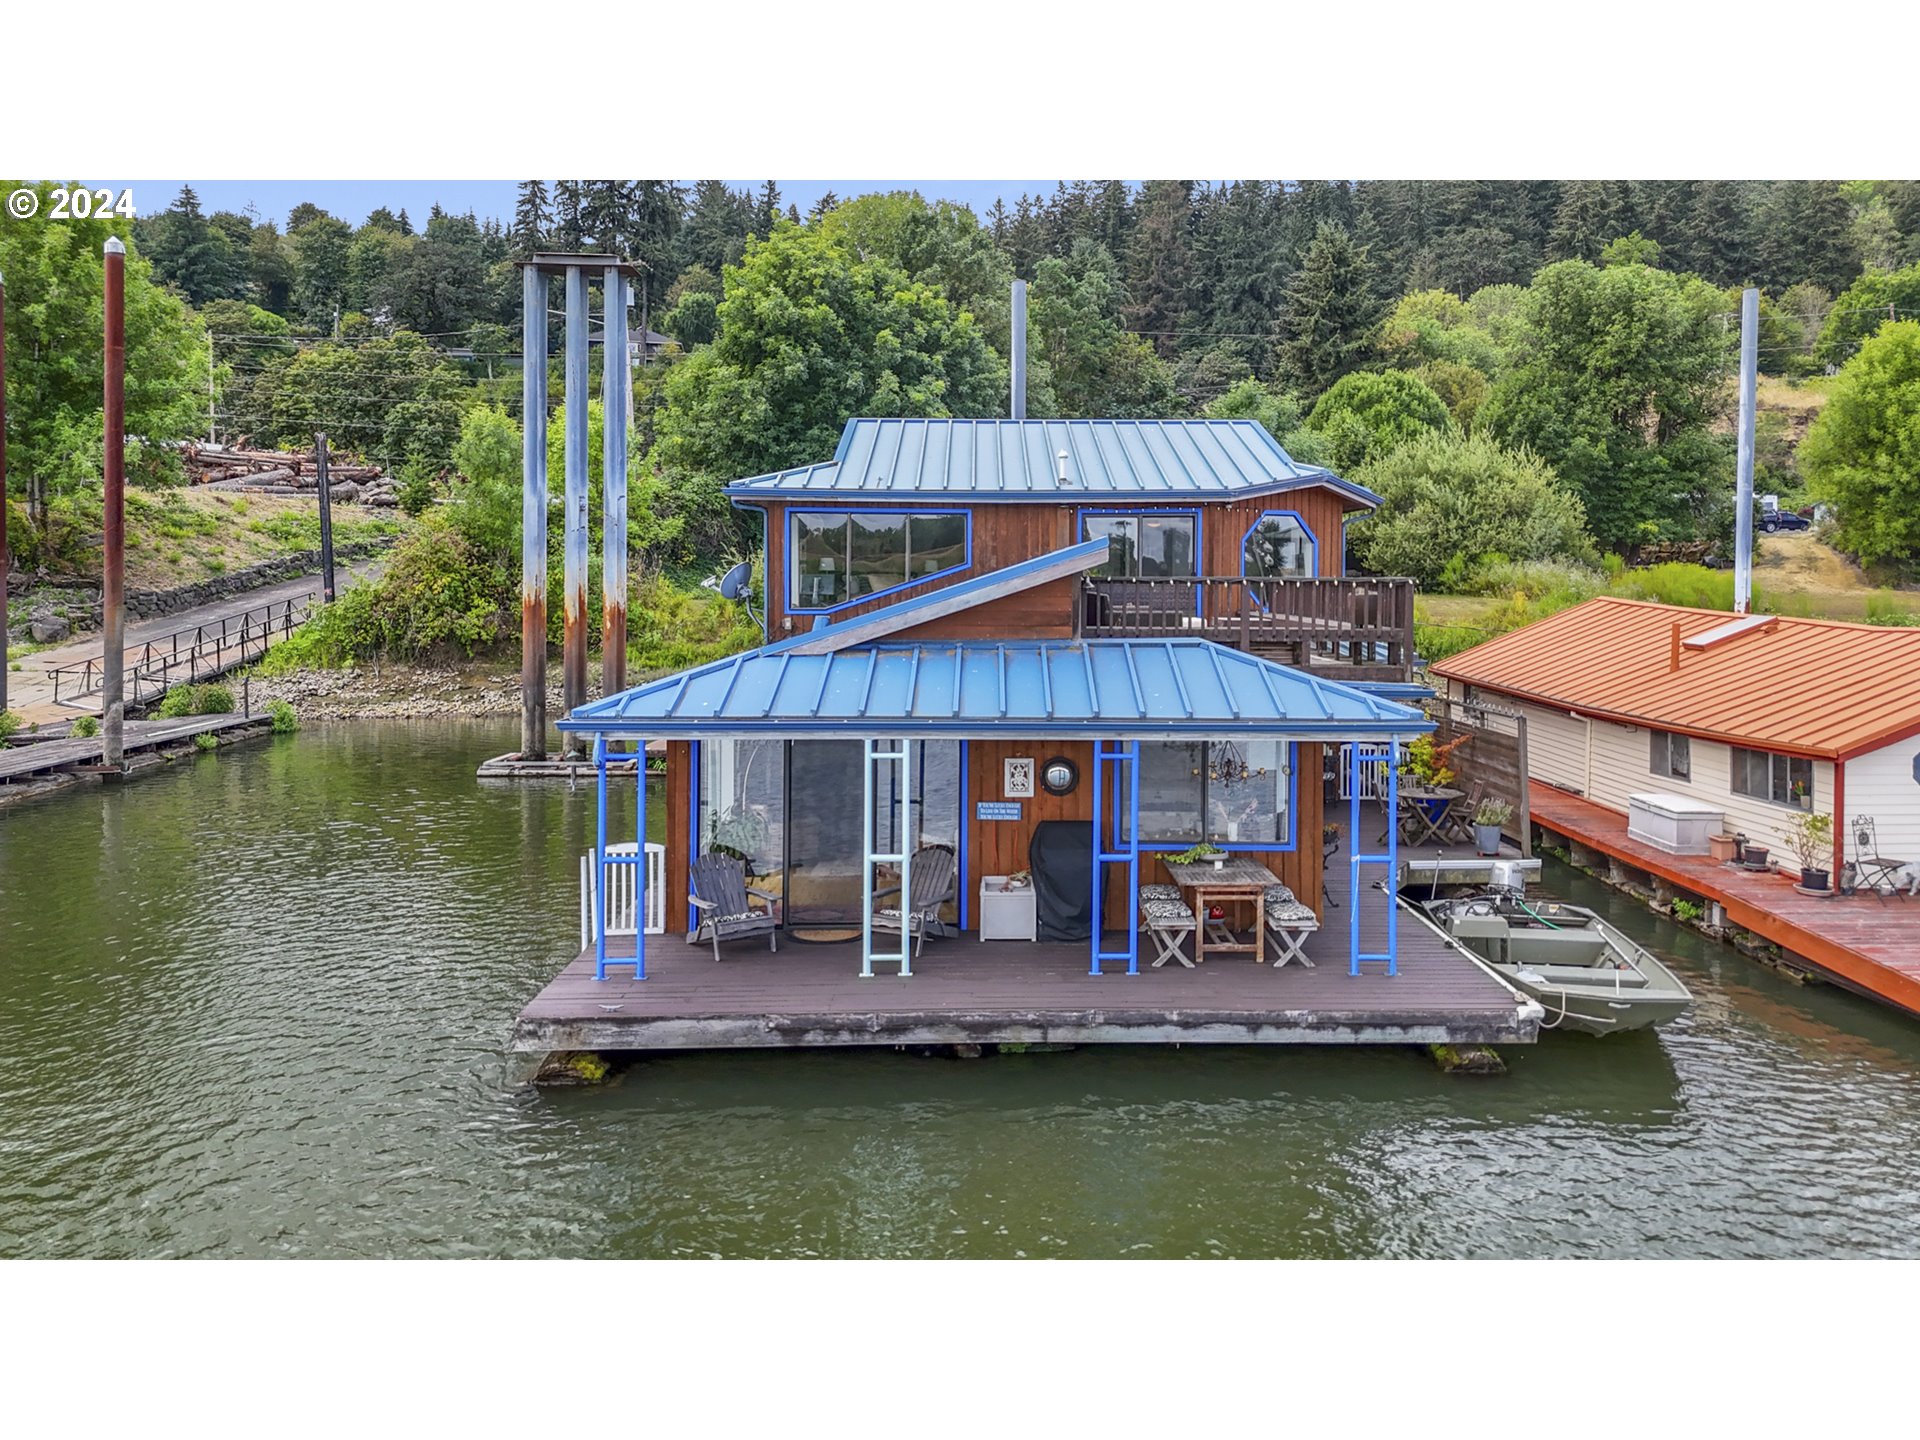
(1018, 460)
(1097, 688)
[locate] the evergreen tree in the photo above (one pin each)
(717, 226)
(191, 255)
(606, 221)
(1329, 316)
(793, 213)
(1590, 213)
(768, 211)
(1715, 237)
(1157, 263)
(569, 199)
(532, 217)
(406, 224)
(1807, 235)
(823, 205)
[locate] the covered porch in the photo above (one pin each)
(831, 780)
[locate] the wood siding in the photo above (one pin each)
(1045, 612)
(679, 817)
(1005, 534)
(1882, 784)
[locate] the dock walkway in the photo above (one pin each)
(46, 757)
(964, 991)
(1868, 943)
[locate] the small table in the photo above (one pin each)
(1007, 914)
(1237, 879)
(1426, 813)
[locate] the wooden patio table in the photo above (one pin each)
(1238, 879)
(1418, 824)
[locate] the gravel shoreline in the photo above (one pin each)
(399, 692)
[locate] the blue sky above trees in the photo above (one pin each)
(351, 200)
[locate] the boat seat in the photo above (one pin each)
(1587, 975)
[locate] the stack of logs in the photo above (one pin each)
(285, 472)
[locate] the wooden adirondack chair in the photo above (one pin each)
(932, 867)
(720, 891)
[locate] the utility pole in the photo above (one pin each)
(212, 401)
(6, 560)
(1743, 486)
(113, 562)
(326, 517)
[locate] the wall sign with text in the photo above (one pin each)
(996, 810)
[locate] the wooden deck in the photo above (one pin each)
(44, 757)
(1868, 943)
(964, 991)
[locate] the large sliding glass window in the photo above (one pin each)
(1145, 545)
(1224, 792)
(841, 557)
(743, 794)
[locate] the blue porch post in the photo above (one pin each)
(639, 861)
(598, 891)
(601, 861)
(1358, 857)
(1116, 764)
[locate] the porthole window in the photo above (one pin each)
(1059, 775)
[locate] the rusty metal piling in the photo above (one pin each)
(615, 384)
(114, 527)
(573, 648)
(533, 514)
(6, 560)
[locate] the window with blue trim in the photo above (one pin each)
(1225, 792)
(839, 557)
(1144, 545)
(1279, 544)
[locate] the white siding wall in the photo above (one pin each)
(1556, 747)
(1881, 784)
(1557, 751)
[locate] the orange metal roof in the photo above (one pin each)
(1815, 687)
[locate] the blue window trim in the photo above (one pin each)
(793, 575)
(1199, 531)
(1313, 570)
(1270, 847)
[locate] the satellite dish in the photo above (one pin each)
(734, 582)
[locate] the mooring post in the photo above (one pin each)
(573, 649)
(533, 513)
(326, 516)
(5, 560)
(114, 527)
(615, 385)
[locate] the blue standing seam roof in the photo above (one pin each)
(1018, 460)
(1110, 688)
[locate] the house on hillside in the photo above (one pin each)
(1761, 717)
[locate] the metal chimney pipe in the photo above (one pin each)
(1019, 409)
(1743, 488)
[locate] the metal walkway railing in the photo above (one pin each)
(199, 652)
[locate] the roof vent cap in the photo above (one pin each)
(1062, 458)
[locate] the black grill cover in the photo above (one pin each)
(1061, 858)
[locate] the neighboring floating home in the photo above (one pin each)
(1062, 651)
(1757, 719)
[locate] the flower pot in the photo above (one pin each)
(1723, 847)
(1755, 855)
(1812, 879)
(1486, 839)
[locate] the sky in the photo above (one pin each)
(352, 200)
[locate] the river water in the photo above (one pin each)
(256, 1006)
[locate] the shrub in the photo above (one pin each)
(285, 721)
(9, 724)
(1444, 495)
(416, 487)
(86, 727)
(1366, 416)
(1679, 584)
(205, 743)
(1688, 910)
(187, 700)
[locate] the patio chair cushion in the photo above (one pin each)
(1159, 892)
(1166, 912)
(1277, 893)
(1290, 912)
(741, 915)
(891, 913)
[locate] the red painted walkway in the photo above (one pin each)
(1867, 942)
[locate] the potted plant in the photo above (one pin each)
(1488, 821)
(1724, 847)
(1197, 853)
(1754, 857)
(1811, 837)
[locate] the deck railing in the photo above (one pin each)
(1363, 624)
(621, 878)
(198, 652)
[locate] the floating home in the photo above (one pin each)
(1653, 728)
(1012, 669)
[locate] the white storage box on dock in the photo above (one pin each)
(1676, 824)
(1006, 914)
